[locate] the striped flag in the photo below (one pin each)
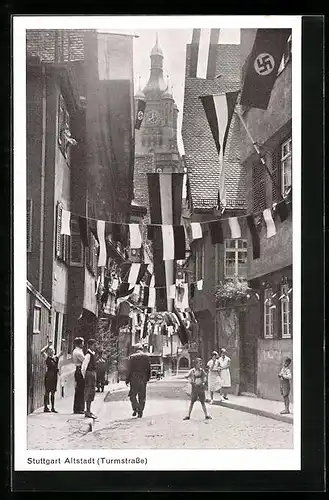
(270, 225)
(219, 111)
(203, 53)
(165, 197)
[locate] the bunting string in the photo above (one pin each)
(244, 216)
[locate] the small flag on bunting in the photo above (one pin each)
(219, 111)
(282, 210)
(66, 220)
(83, 231)
(270, 226)
(192, 290)
(135, 236)
(196, 230)
(234, 227)
(140, 113)
(172, 291)
(254, 236)
(124, 290)
(151, 300)
(173, 240)
(262, 66)
(102, 245)
(216, 232)
(199, 284)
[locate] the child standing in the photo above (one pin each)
(198, 378)
(100, 372)
(285, 377)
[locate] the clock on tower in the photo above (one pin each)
(152, 118)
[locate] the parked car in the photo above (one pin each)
(156, 362)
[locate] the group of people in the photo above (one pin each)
(90, 375)
(217, 379)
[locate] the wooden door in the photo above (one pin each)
(249, 333)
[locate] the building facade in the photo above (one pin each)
(213, 264)
(268, 335)
(80, 150)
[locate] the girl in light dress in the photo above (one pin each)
(224, 365)
(214, 381)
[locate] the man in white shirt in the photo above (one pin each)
(78, 358)
(88, 371)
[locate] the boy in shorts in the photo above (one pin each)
(198, 377)
(285, 377)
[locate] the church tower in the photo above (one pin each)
(156, 147)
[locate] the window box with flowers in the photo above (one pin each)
(235, 290)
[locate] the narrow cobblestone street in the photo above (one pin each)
(162, 425)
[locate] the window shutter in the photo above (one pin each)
(258, 184)
(59, 210)
(29, 225)
(276, 174)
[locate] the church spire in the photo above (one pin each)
(156, 84)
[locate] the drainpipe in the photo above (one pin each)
(42, 176)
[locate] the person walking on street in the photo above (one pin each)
(224, 365)
(138, 374)
(88, 370)
(285, 377)
(198, 377)
(51, 376)
(214, 384)
(77, 358)
(100, 372)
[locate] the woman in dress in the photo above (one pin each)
(51, 376)
(224, 365)
(213, 375)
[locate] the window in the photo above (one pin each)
(286, 163)
(62, 241)
(29, 225)
(269, 314)
(199, 262)
(76, 246)
(63, 132)
(37, 318)
(285, 312)
(235, 258)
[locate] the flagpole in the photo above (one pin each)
(277, 187)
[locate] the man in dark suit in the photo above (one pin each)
(138, 374)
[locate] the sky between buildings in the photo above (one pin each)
(173, 43)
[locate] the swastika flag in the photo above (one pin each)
(262, 66)
(140, 113)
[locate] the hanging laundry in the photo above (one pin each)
(196, 230)
(66, 221)
(135, 236)
(270, 226)
(102, 245)
(234, 227)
